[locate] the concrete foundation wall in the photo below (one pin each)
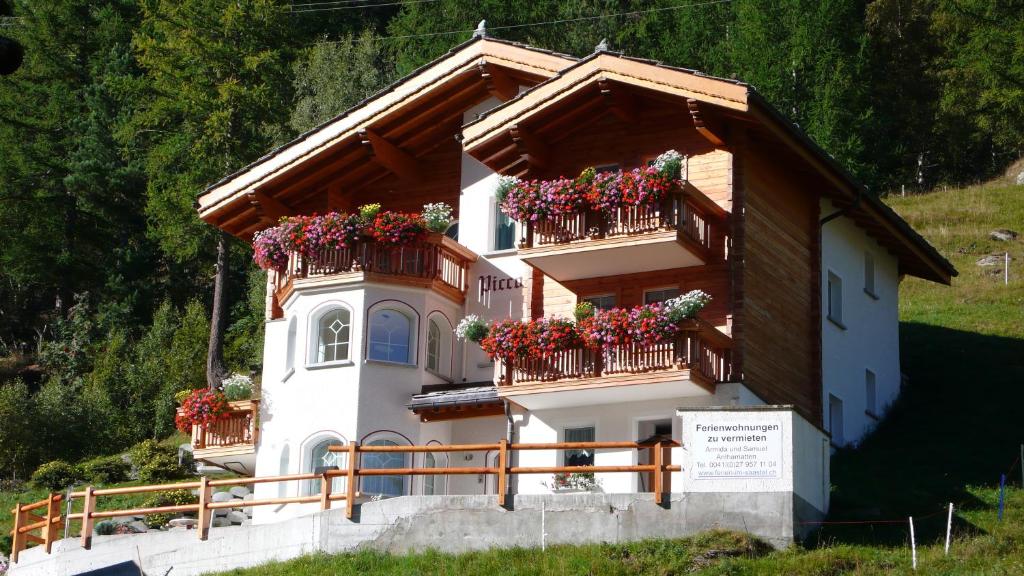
(445, 523)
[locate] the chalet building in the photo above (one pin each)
(803, 269)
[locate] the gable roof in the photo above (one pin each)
(470, 58)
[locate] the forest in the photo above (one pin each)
(123, 111)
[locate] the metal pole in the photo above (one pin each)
(949, 526)
(67, 523)
(543, 528)
(913, 545)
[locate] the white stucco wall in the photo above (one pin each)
(869, 336)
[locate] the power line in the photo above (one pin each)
(547, 22)
(360, 6)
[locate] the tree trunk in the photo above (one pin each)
(215, 370)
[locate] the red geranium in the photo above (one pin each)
(397, 228)
(202, 408)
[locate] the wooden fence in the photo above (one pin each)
(28, 521)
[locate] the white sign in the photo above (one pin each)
(735, 449)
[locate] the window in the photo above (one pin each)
(289, 360)
(579, 457)
(870, 393)
(434, 346)
(660, 295)
(835, 299)
(320, 460)
(835, 420)
(605, 302)
(333, 333)
(433, 484)
(384, 485)
(504, 230)
(869, 274)
(453, 231)
(390, 337)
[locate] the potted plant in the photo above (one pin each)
(568, 482)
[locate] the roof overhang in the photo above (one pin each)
(380, 135)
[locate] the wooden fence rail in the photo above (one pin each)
(45, 515)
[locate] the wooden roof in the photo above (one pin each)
(514, 137)
(383, 136)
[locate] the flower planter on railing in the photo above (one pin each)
(689, 350)
(238, 427)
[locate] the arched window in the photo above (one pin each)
(334, 332)
(434, 346)
(390, 337)
(289, 361)
(282, 487)
(383, 485)
(433, 484)
(321, 459)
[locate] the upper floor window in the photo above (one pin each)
(504, 230)
(453, 231)
(603, 302)
(434, 346)
(334, 332)
(835, 420)
(835, 299)
(870, 393)
(869, 274)
(390, 337)
(289, 360)
(660, 295)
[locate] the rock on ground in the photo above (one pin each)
(237, 517)
(1003, 235)
(222, 497)
(239, 491)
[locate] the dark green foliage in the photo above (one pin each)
(154, 463)
(172, 498)
(105, 469)
(105, 528)
(56, 476)
(17, 441)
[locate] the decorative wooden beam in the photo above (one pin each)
(390, 156)
(705, 126)
(529, 146)
(499, 84)
(618, 100)
(267, 207)
(335, 197)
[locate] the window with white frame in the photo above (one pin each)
(870, 393)
(383, 485)
(660, 295)
(835, 420)
(869, 274)
(835, 298)
(289, 360)
(282, 487)
(602, 302)
(433, 484)
(390, 338)
(579, 457)
(334, 333)
(321, 459)
(433, 346)
(504, 230)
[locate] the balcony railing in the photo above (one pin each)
(691, 214)
(238, 430)
(437, 261)
(701, 349)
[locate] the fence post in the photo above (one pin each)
(52, 513)
(325, 490)
(88, 507)
(658, 469)
(502, 468)
(350, 498)
(666, 461)
(205, 515)
(17, 538)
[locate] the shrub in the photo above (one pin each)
(155, 463)
(106, 469)
(56, 476)
(237, 387)
(171, 498)
(106, 528)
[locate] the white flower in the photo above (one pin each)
(687, 305)
(465, 324)
(670, 163)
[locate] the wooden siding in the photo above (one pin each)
(778, 314)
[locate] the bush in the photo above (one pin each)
(155, 463)
(106, 469)
(172, 498)
(106, 528)
(56, 476)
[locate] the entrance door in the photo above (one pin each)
(650, 431)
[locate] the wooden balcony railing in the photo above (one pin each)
(702, 349)
(437, 261)
(239, 429)
(689, 212)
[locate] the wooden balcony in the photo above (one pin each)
(686, 229)
(231, 440)
(438, 263)
(690, 365)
